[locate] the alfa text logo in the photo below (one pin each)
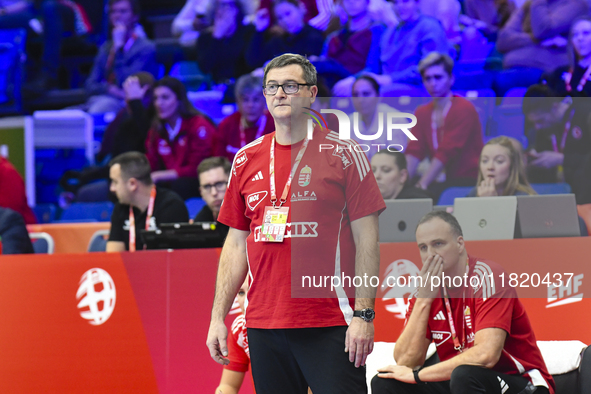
(96, 295)
(345, 124)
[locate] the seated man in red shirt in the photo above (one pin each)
(448, 131)
(251, 121)
(484, 338)
(12, 191)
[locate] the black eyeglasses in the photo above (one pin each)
(289, 88)
(219, 186)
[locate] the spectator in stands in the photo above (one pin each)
(125, 54)
(488, 16)
(190, 21)
(534, 40)
(14, 238)
(448, 131)
(16, 14)
(372, 114)
(12, 191)
(318, 12)
(391, 174)
(402, 47)
(448, 13)
(239, 354)
(141, 205)
(295, 36)
(213, 180)
(221, 48)
(561, 139)
(126, 133)
(179, 139)
(251, 121)
(354, 48)
(501, 170)
(572, 80)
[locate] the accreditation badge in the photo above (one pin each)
(274, 224)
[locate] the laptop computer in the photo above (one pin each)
(398, 222)
(185, 236)
(486, 218)
(553, 215)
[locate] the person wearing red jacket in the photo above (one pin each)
(12, 191)
(448, 131)
(179, 139)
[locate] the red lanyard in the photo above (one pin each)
(454, 335)
(564, 134)
(148, 217)
(291, 174)
(262, 122)
(582, 82)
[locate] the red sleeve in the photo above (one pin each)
(239, 360)
(152, 150)
(362, 193)
(420, 147)
(233, 206)
(460, 123)
(201, 138)
(12, 192)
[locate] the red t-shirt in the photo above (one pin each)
(194, 142)
(330, 189)
(238, 352)
(12, 191)
(230, 133)
(457, 144)
(491, 305)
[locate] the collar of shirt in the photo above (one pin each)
(173, 132)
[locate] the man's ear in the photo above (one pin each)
(132, 184)
(403, 176)
(314, 92)
(461, 245)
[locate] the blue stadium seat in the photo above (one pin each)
(98, 241)
(45, 213)
(551, 188)
(209, 103)
(450, 194)
(194, 205)
(88, 212)
(42, 242)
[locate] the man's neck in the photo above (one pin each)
(360, 22)
(285, 134)
(442, 102)
(459, 270)
(246, 123)
(142, 199)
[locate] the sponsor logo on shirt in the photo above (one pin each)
(163, 148)
(304, 196)
(468, 317)
(254, 199)
(294, 230)
(152, 225)
(344, 155)
(305, 176)
(240, 160)
(202, 132)
(568, 293)
(439, 316)
(439, 337)
(258, 176)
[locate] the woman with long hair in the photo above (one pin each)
(179, 139)
(502, 171)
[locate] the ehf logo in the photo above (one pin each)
(396, 287)
(96, 296)
(305, 176)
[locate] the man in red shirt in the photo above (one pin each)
(448, 131)
(483, 336)
(325, 223)
(12, 191)
(250, 122)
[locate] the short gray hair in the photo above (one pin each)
(247, 83)
(446, 217)
(287, 59)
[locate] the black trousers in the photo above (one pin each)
(287, 361)
(465, 379)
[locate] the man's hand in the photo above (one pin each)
(556, 42)
(116, 92)
(216, 342)
(118, 36)
(133, 89)
(433, 267)
(546, 159)
(398, 372)
(487, 188)
(359, 341)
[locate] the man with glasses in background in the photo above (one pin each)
(324, 223)
(213, 175)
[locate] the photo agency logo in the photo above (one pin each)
(388, 124)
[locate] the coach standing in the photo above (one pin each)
(279, 229)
